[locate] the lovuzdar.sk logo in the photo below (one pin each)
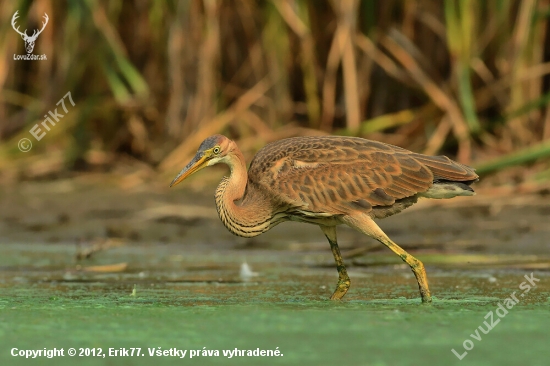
(29, 40)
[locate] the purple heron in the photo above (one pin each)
(328, 181)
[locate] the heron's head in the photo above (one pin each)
(212, 151)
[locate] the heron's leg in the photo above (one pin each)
(343, 278)
(366, 225)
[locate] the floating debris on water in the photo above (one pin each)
(246, 272)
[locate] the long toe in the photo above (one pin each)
(341, 290)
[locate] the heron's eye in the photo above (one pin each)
(216, 150)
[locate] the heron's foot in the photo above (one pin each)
(425, 294)
(427, 299)
(420, 274)
(341, 289)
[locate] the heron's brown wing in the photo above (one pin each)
(377, 180)
(444, 168)
(328, 174)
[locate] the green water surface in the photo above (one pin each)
(199, 302)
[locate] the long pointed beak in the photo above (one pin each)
(194, 166)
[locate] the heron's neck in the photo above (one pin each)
(246, 217)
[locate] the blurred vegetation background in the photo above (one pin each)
(151, 79)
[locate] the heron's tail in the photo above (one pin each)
(451, 179)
